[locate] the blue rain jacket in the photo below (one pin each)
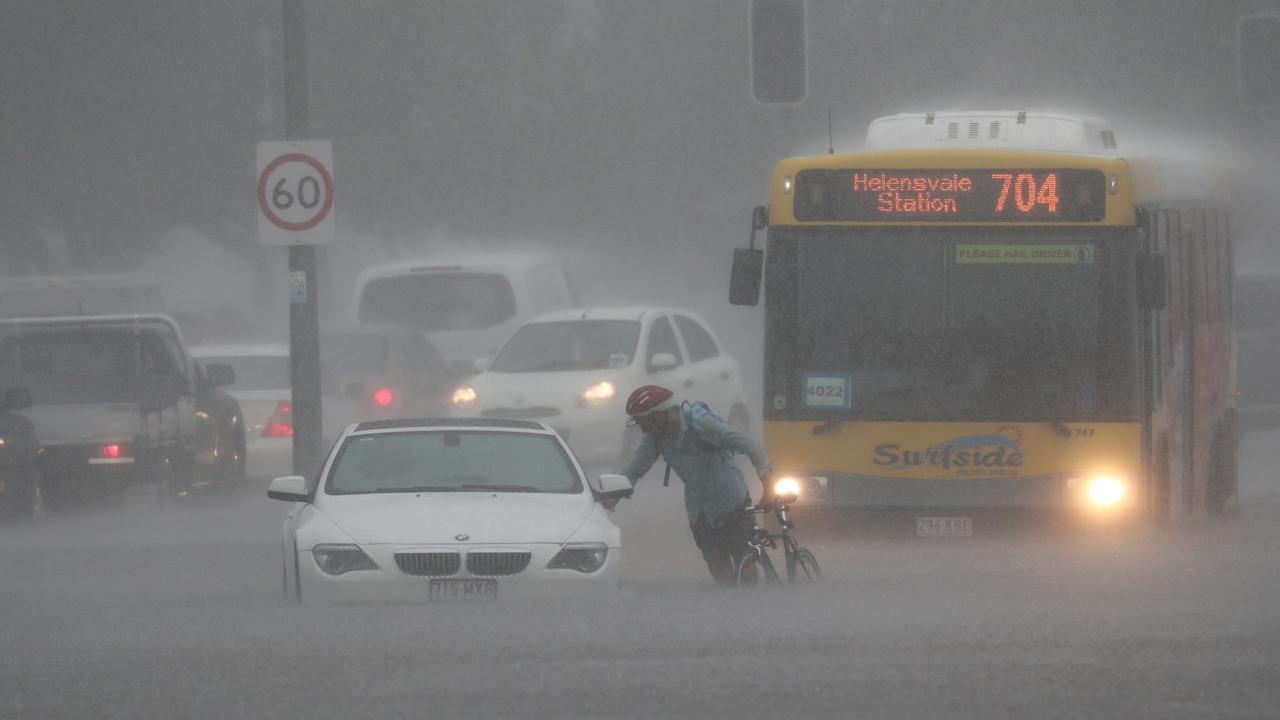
(702, 456)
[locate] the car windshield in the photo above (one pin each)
(77, 300)
(452, 461)
(570, 345)
(254, 372)
(66, 366)
(439, 301)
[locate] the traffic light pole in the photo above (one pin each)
(304, 316)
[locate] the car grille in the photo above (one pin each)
(491, 564)
(428, 564)
(523, 413)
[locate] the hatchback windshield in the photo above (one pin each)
(452, 461)
(255, 372)
(350, 353)
(571, 345)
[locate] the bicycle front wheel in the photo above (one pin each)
(807, 567)
(756, 567)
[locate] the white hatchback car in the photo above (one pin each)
(449, 510)
(574, 369)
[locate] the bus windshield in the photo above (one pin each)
(977, 323)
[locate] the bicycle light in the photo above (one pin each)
(787, 490)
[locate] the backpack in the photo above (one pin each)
(698, 442)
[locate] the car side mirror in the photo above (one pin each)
(219, 374)
(18, 398)
(480, 364)
(662, 361)
(614, 487)
(290, 488)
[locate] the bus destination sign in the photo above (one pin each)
(967, 195)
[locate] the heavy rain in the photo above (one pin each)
(988, 292)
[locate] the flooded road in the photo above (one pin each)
(179, 614)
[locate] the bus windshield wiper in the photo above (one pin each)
(831, 425)
(1059, 427)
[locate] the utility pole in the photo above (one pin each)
(304, 317)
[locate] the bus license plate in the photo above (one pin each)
(463, 590)
(944, 527)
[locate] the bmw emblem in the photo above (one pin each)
(462, 537)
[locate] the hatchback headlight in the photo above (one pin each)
(596, 395)
(583, 557)
(339, 559)
(464, 398)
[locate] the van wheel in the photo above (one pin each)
(165, 480)
(1159, 499)
(1222, 480)
(25, 505)
(37, 511)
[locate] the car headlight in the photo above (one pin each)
(464, 398)
(583, 557)
(787, 490)
(339, 559)
(1105, 490)
(597, 395)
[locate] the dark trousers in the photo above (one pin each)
(721, 544)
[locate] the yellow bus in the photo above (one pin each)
(995, 310)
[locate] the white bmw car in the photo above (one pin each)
(449, 511)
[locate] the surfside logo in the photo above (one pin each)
(989, 455)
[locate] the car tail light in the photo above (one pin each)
(112, 454)
(281, 422)
(384, 396)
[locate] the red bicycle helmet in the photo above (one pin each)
(648, 399)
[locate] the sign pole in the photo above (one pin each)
(304, 319)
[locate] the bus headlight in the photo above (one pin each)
(1105, 490)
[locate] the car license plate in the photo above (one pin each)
(942, 527)
(447, 590)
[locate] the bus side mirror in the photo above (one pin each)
(744, 285)
(1153, 281)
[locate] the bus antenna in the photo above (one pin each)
(831, 143)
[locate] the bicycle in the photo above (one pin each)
(801, 563)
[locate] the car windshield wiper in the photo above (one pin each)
(560, 365)
(499, 487)
(419, 488)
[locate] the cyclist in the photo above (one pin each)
(699, 447)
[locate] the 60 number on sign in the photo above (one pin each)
(295, 193)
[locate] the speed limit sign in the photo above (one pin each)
(295, 193)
